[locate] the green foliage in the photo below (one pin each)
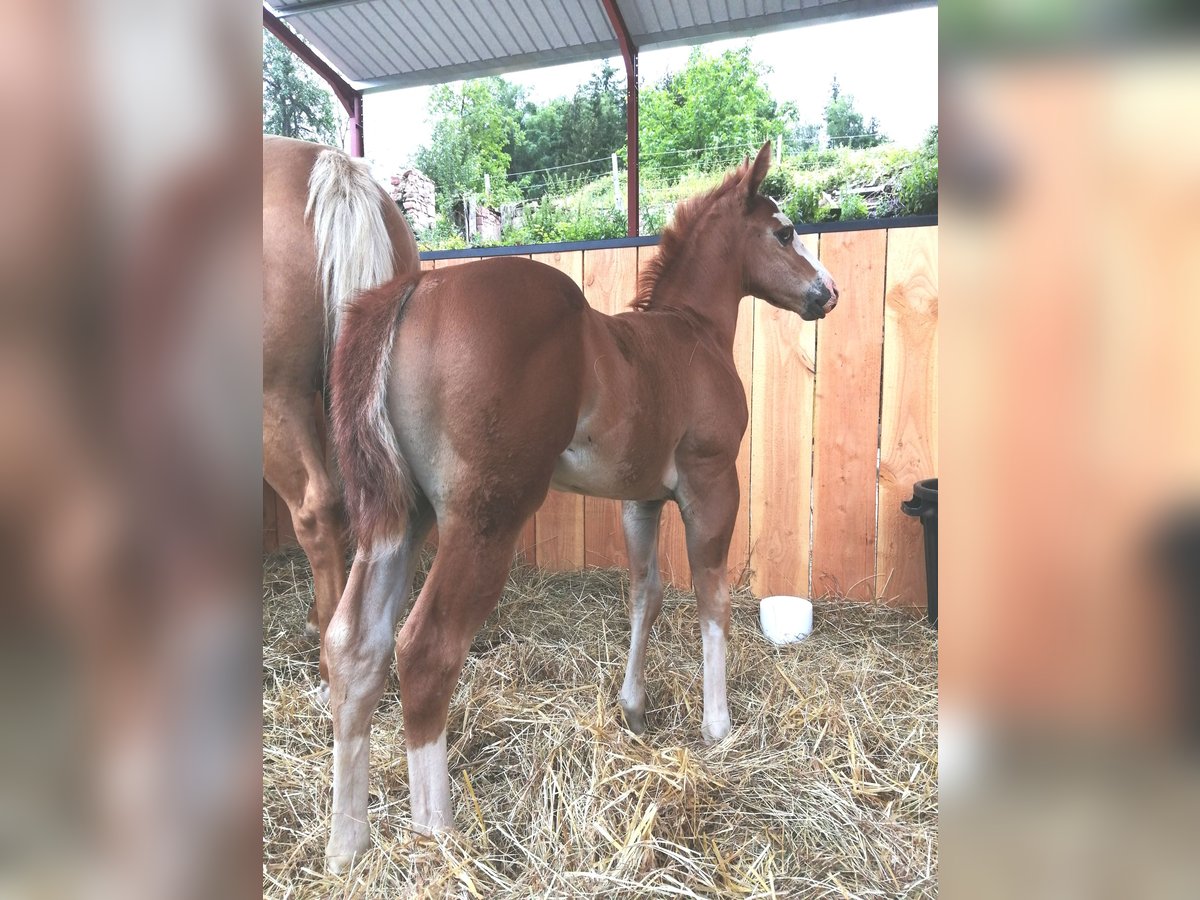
(854, 208)
(295, 103)
(807, 204)
(778, 183)
(572, 220)
(930, 144)
(844, 127)
(442, 236)
(589, 126)
(917, 191)
(715, 105)
(806, 136)
(475, 129)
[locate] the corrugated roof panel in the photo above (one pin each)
(333, 46)
(379, 44)
(363, 37)
(446, 52)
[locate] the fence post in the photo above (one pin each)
(487, 186)
(779, 150)
(616, 185)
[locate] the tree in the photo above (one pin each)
(589, 126)
(807, 136)
(844, 124)
(295, 103)
(475, 128)
(709, 113)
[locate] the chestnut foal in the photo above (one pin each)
(328, 230)
(461, 397)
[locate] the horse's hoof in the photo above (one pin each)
(715, 731)
(320, 696)
(339, 865)
(635, 719)
(340, 856)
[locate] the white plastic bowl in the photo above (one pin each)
(785, 620)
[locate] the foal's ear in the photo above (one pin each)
(758, 171)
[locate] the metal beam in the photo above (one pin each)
(629, 53)
(297, 9)
(348, 96)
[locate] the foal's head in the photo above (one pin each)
(776, 265)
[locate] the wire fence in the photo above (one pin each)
(585, 188)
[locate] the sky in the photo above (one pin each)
(889, 63)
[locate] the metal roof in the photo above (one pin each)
(384, 44)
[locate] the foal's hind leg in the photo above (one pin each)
(640, 523)
(359, 642)
(709, 506)
(295, 467)
(461, 591)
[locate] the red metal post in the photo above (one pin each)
(350, 98)
(630, 55)
(356, 126)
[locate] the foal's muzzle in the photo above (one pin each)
(821, 299)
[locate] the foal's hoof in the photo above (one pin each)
(714, 731)
(340, 855)
(320, 696)
(635, 719)
(339, 865)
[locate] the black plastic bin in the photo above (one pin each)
(924, 504)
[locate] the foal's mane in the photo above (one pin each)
(674, 236)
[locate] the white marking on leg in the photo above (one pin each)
(429, 786)
(360, 642)
(716, 710)
(633, 691)
(349, 833)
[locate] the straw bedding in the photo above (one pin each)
(827, 786)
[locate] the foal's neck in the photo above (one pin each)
(705, 281)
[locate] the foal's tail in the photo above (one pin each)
(354, 249)
(378, 481)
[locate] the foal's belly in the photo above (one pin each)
(586, 467)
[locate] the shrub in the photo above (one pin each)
(917, 191)
(778, 184)
(854, 208)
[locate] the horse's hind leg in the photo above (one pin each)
(462, 590)
(295, 467)
(640, 523)
(709, 507)
(359, 645)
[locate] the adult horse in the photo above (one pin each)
(328, 231)
(465, 394)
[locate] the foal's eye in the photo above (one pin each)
(785, 234)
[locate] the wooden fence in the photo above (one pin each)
(843, 419)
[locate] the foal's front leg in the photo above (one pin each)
(709, 504)
(640, 523)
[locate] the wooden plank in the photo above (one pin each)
(909, 409)
(559, 523)
(270, 529)
(609, 283)
(428, 265)
(672, 539)
(846, 424)
(785, 353)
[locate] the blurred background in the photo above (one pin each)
(130, 450)
(1071, 254)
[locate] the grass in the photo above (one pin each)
(827, 786)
